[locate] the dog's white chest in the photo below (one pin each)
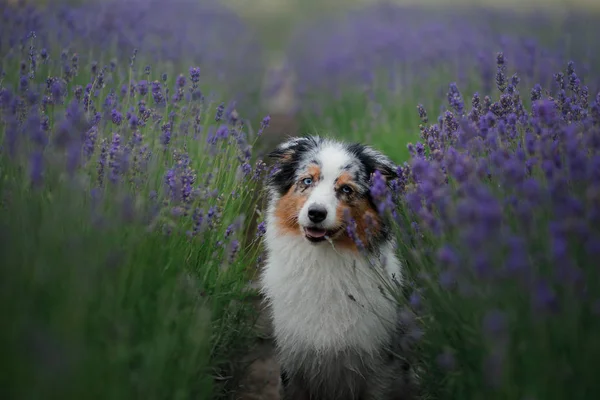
(323, 298)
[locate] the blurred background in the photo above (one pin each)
(288, 51)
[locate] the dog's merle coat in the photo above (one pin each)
(336, 325)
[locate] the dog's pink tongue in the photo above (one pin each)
(316, 233)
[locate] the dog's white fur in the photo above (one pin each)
(325, 298)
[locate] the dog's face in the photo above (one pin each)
(320, 182)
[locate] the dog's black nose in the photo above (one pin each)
(317, 213)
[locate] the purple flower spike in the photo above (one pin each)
(157, 93)
(501, 81)
(261, 229)
(180, 82)
(455, 99)
(195, 74)
(116, 117)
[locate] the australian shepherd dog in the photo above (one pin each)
(335, 322)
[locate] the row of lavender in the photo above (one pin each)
(350, 68)
(126, 191)
(172, 34)
(499, 225)
(389, 47)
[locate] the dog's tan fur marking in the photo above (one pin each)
(287, 210)
(367, 219)
(314, 171)
(345, 178)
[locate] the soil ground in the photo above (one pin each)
(261, 379)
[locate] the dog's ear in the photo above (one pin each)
(286, 151)
(385, 166)
(374, 160)
(287, 156)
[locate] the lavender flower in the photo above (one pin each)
(195, 74)
(264, 124)
(219, 113)
(116, 117)
(501, 72)
(157, 94)
(134, 122)
(165, 137)
(380, 193)
(90, 141)
(24, 83)
(351, 230)
(454, 99)
(230, 229)
(114, 158)
(246, 169)
(56, 90)
(259, 168)
(142, 87)
(261, 229)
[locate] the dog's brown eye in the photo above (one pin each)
(346, 189)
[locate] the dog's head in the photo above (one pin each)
(319, 182)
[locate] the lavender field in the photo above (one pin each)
(132, 137)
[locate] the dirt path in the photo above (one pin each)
(261, 379)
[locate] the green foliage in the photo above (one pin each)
(111, 287)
